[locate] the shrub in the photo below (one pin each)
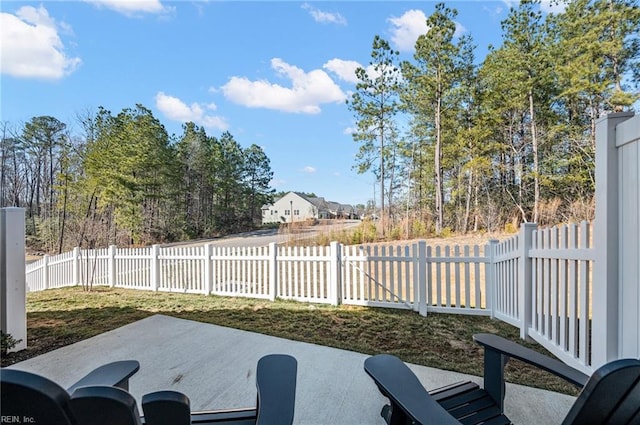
(7, 342)
(446, 232)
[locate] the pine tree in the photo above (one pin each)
(375, 104)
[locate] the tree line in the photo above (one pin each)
(125, 181)
(464, 146)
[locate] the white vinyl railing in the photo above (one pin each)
(403, 276)
(542, 285)
(561, 264)
(538, 280)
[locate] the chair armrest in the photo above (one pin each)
(498, 351)
(114, 374)
(409, 399)
(276, 384)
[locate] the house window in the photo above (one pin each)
(286, 212)
(274, 212)
(296, 212)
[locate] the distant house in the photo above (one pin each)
(295, 206)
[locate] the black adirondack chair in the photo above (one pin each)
(276, 388)
(101, 398)
(611, 396)
(30, 398)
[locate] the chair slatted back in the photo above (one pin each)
(104, 406)
(611, 396)
(166, 408)
(276, 384)
(29, 398)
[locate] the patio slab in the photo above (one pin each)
(215, 367)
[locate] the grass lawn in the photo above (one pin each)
(59, 317)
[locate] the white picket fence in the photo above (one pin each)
(543, 286)
(538, 280)
(380, 276)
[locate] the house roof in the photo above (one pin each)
(319, 202)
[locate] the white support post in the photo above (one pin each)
(13, 290)
(422, 278)
(605, 234)
(490, 276)
(524, 278)
(335, 273)
(45, 271)
(208, 269)
(155, 267)
(273, 271)
(111, 265)
(76, 266)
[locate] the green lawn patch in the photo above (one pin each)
(58, 317)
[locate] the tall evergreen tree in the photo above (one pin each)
(433, 84)
(375, 104)
(127, 166)
(257, 178)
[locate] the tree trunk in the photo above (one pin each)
(467, 209)
(437, 164)
(383, 220)
(536, 165)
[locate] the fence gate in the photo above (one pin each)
(379, 276)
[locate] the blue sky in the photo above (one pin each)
(271, 73)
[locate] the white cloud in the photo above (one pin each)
(349, 130)
(345, 70)
(309, 169)
(411, 25)
(307, 92)
(133, 8)
(407, 28)
(175, 109)
(31, 46)
(324, 17)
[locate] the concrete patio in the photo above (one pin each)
(215, 367)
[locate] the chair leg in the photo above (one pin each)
(394, 416)
(494, 363)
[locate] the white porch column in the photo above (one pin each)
(13, 295)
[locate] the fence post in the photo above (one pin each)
(13, 287)
(76, 266)
(208, 269)
(155, 267)
(524, 277)
(421, 277)
(335, 274)
(490, 276)
(273, 271)
(45, 270)
(606, 236)
(111, 266)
